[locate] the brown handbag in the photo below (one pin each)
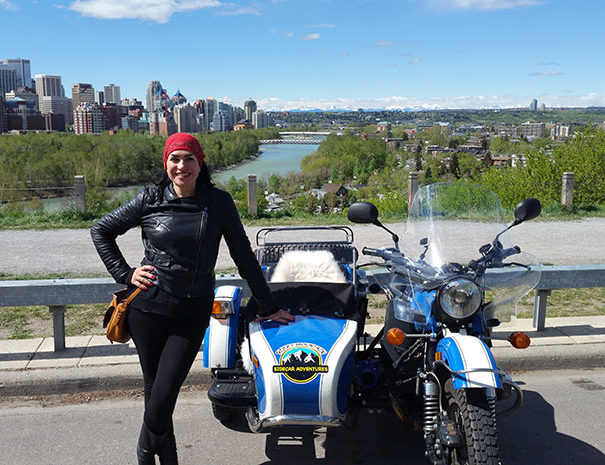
(115, 316)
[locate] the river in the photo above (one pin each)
(274, 159)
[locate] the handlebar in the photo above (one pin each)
(372, 252)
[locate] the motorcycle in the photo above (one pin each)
(430, 363)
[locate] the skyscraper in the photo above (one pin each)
(209, 110)
(533, 106)
(8, 81)
(112, 94)
(48, 85)
(51, 97)
(82, 93)
(249, 108)
(22, 68)
(152, 89)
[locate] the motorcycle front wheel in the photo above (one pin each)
(470, 410)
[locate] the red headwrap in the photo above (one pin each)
(183, 141)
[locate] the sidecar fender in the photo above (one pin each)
(221, 335)
(469, 355)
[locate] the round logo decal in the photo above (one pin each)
(300, 362)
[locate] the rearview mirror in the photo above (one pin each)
(527, 209)
(363, 212)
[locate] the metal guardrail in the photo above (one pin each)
(58, 293)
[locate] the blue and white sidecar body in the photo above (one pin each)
(293, 374)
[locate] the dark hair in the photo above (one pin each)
(204, 179)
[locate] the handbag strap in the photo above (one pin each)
(133, 295)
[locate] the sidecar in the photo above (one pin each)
(300, 373)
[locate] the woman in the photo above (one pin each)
(182, 221)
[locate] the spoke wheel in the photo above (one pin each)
(470, 410)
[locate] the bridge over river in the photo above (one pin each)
(291, 141)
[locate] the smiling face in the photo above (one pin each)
(183, 168)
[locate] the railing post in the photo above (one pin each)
(80, 193)
(252, 201)
(540, 308)
(567, 190)
(58, 312)
(412, 188)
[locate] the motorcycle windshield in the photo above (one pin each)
(447, 225)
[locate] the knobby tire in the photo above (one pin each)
(470, 410)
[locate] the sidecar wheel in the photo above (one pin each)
(222, 414)
(469, 408)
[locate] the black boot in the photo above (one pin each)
(149, 445)
(168, 451)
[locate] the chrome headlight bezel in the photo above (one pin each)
(460, 298)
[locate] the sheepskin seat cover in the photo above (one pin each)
(309, 266)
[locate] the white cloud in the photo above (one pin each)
(546, 63)
(415, 61)
(545, 73)
(158, 11)
(384, 43)
(314, 36)
(429, 103)
(484, 4)
(8, 5)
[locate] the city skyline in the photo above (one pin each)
(321, 54)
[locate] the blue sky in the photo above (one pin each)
(303, 54)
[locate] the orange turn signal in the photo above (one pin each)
(221, 309)
(519, 340)
(395, 336)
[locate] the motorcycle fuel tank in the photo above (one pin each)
(303, 370)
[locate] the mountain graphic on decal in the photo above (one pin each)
(301, 358)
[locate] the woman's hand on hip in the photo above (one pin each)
(281, 316)
(143, 277)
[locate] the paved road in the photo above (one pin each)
(558, 425)
(54, 251)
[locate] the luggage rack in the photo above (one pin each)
(270, 251)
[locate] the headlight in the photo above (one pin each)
(460, 298)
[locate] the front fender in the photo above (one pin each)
(221, 335)
(470, 361)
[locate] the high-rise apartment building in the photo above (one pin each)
(533, 106)
(221, 121)
(186, 118)
(153, 88)
(99, 97)
(532, 129)
(22, 68)
(88, 119)
(249, 108)
(82, 93)
(260, 119)
(112, 94)
(8, 81)
(209, 110)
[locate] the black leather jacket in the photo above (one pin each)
(181, 239)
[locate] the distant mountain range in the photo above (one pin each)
(417, 109)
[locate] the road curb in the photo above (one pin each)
(58, 381)
(559, 357)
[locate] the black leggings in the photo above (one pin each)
(167, 348)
